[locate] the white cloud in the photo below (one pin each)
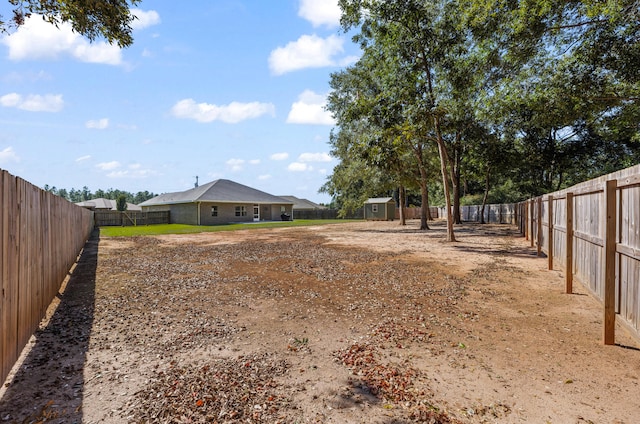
(8, 155)
(279, 156)
(144, 19)
(37, 39)
(83, 158)
(264, 177)
(25, 76)
(254, 162)
(232, 113)
(309, 51)
(99, 124)
(314, 157)
(299, 167)
(33, 102)
(132, 171)
(320, 12)
(235, 164)
(310, 109)
(108, 166)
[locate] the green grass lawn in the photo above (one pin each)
(152, 230)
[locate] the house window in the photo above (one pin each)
(374, 208)
(214, 211)
(241, 211)
(283, 209)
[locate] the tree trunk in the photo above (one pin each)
(442, 150)
(486, 194)
(455, 179)
(424, 192)
(424, 210)
(402, 200)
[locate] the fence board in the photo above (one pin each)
(40, 237)
(568, 265)
(560, 232)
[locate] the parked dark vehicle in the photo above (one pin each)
(285, 216)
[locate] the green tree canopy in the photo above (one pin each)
(110, 20)
(121, 203)
(527, 96)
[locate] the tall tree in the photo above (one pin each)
(372, 94)
(110, 20)
(424, 38)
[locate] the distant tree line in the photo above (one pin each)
(85, 194)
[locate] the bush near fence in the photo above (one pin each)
(41, 235)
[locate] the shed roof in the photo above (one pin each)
(380, 200)
(221, 191)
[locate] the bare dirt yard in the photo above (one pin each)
(368, 322)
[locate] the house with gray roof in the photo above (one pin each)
(220, 202)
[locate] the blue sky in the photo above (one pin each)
(229, 89)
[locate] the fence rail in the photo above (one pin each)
(506, 213)
(41, 236)
(592, 232)
(414, 212)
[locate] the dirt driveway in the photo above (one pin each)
(343, 323)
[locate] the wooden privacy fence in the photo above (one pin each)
(413, 212)
(493, 214)
(41, 236)
(325, 214)
(130, 218)
(592, 232)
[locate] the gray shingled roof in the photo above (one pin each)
(302, 203)
(221, 191)
(106, 204)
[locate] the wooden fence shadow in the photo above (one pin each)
(49, 383)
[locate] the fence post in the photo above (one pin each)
(525, 220)
(550, 231)
(539, 226)
(531, 207)
(610, 262)
(569, 258)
